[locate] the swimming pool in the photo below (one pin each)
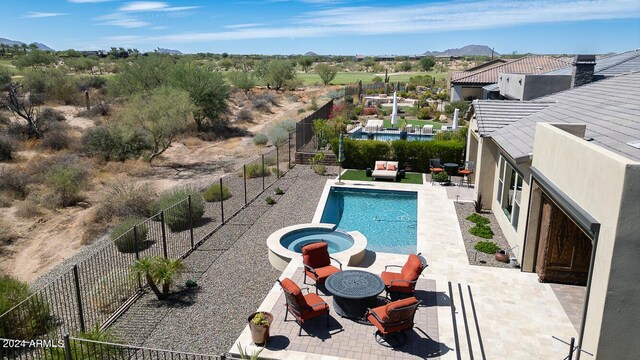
(388, 219)
(388, 137)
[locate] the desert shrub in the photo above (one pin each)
(125, 199)
(287, 125)
(57, 137)
(177, 217)
(314, 105)
(257, 170)
(26, 322)
(124, 237)
(316, 165)
(83, 352)
(262, 105)
(278, 136)
(483, 231)
(270, 160)
(335, 94)
(478, 219)
(66, 183)
(370, 111)
(301, 111)
(49, 115)
(269, 97)
(28, 209)
(7, 147)
(278, 191)
(244, 115)
(260, 139)
(15, 182)
(423, 113)
(460, 134)
(90, 82)
(111, 291)
(440, 177)
(487, 247)
(463, 106)
(114, 143)
(213, 193)
(270, 201)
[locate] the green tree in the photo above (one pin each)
(35, 59)
(144, 74)
(305, 62)
(162, 114)
(403, 66)
(159, 273)
(207, 89)
(243, 80)
(276, 73)
(427, 62)
(369, 63)
(326, 72)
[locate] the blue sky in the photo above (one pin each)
(327, 26)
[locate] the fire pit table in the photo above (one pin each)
(353, 292)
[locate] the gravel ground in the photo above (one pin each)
(233, 273)
(464, 209)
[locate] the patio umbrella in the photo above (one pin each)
(340, 158)
(455, 118)
(394, 114)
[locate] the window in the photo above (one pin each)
(509, 191)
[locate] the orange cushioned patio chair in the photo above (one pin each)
(403, 284)
(317, 263)
(392, 320)
(302, 307)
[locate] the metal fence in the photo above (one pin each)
(69, 348)
(304, 128)
(375, 88)
(95, 291)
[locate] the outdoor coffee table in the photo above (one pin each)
(353, 292)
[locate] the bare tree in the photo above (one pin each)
(20, 104)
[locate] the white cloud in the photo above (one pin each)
(121, 20)
(241, 26)
(37, 14)
(419, 19)
(148, 6)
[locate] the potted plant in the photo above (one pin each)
(502, 256)
(259, 323)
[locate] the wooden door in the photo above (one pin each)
(564, 250)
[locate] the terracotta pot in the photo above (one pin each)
(502, 256)
(260, 333)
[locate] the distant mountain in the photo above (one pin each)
(168, 51)
(10, 43)
(310, 53)
(469, 50)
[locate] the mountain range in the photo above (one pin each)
(469, 50)
(10, 43)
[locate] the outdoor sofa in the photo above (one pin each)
(385, 170)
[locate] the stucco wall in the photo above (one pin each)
(528, 87)
(606, 186)
(485, 171)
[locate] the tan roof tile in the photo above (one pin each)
(526, 65)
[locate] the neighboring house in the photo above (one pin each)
(584, 68)
(562, 177)
(467, 85)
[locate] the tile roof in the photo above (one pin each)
(611, 65)
(493, 115)
(526, 65)
(609, 108)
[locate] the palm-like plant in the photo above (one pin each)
(159, 273)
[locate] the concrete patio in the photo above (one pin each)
(469, 311)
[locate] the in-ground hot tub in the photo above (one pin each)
(286, 243)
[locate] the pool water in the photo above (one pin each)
(387, 218)
(336, 240)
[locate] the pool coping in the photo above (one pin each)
(280, 257)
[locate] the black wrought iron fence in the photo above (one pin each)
(69, 348)
(304, 128)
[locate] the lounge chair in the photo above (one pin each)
(427, 130)
(317, 263)
(393, 319)
(385, 170)
(403, 284)
(302, 307)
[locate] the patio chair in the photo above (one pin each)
(317, 263)
(392, 320)
(403, 284)
(466, 171)
(302, 307)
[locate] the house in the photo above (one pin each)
(562, 176)
(468, 85)
(589, 68)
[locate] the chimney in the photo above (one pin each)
(583, 67)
